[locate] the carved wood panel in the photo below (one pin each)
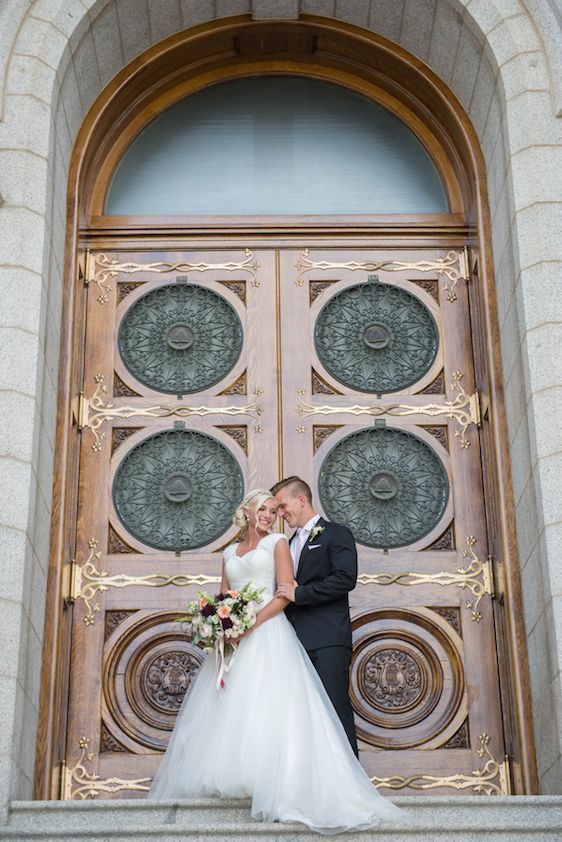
(170, 434)
(402, 467)
(179, 416)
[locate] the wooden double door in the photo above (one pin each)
(207, 372)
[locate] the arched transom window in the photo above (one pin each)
(276, 145)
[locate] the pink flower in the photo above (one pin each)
(233, 594)
(223, 610)
(202, 601)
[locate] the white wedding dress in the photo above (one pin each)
(272, 734)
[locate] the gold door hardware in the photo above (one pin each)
(464, 409)
(453, 266)
(87, 581)
(100, 270)
(93, 412)
(79, 784)
(492, 779)
(465, 578)
(70, 572)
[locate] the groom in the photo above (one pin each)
(325, 566)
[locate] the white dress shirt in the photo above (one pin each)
(300, 539)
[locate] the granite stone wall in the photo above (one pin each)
(501, 58)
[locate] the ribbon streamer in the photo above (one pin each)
(223, 665)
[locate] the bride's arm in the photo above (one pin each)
(283, 573)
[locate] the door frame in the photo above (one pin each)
(230, 49)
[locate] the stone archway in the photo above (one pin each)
(60, 56)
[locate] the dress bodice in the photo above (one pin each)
(256, 566)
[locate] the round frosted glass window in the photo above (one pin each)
(276, 145)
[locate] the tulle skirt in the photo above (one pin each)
(272, 735)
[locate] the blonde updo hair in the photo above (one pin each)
(254, 500)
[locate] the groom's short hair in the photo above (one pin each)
(296, 485)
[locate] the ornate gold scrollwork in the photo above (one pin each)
(453, 266)
(78, 783)
(93, 412)
(464, 409)
(475, 568)
(465, 578)
(492, 779)
(88, 581)
(100, 269)
(86, 593)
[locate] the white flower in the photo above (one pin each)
(316, 530)
(204, 631)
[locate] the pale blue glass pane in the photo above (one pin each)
(276, 145)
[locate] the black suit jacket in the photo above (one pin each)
(327, 571)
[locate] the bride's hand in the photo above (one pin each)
(286, 590)
(236, 640)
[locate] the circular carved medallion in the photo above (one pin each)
(177, 490)
(376, 338)
(407, 679)
(388, 486)
(384, 485)
(166, 677)
(180, 338)
(178, 487)
(150, 664)
(393, 679)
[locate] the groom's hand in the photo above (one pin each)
(286, 590)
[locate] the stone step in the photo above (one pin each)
(437, 818)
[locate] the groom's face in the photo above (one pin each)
(291, 508)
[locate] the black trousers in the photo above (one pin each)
(332, 665)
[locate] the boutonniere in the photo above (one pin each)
(316, 530)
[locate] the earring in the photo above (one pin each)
(247, 518)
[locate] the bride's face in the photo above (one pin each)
(265, 516)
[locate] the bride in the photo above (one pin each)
(272, 734)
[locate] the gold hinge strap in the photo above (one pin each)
(83, 411)
(488, 576)
(71, 581)
(75, 580)
(498, 574)
(65, 793)
(88, 268)
(505, 776)
(475, 413)
(464, 265)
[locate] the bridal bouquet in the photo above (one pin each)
(218, 620)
